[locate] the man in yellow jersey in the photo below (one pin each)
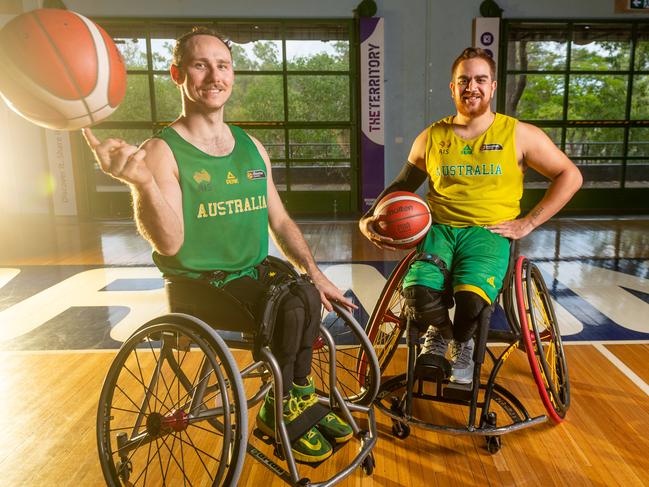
(204, 198)
(474, 162)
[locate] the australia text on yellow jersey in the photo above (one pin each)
(469, 170)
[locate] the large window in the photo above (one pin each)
(587, 85)
(293, 91)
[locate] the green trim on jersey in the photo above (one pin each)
(476, 181)
(225, 209)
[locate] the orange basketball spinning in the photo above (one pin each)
(404, 217)
(59, 69)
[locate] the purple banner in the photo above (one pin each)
(372, 110)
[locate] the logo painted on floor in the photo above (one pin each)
(85, 307)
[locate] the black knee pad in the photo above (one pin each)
(425, 307)
(309, 295)
(468, 306)
(289, 329)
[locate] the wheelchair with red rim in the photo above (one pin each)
(525, 306)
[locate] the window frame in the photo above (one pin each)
(588, 199)
(116, 204)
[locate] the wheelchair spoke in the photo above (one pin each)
(319, 370)
(144, 470)
(173, 457)
(157, 451)
(200, 458)
(148, 392)
(542, 338)
(158, 425)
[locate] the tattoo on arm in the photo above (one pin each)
(537, 213)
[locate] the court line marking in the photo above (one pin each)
(633, 377)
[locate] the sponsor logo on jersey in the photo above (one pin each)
(231, 179)
(490, 147)
(256, 174)
(467, 150)
(444, 146)
(491, 281)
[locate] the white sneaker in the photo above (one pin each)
(434, 343)
(462, 360)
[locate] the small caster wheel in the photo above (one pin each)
(492, 419)
(395, 405)
(304, 481)
(494, 444)
(400, 430)
(368, 464)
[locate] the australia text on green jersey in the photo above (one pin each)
(231, 207)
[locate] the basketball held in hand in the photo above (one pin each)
(60, 70)
(404, 217)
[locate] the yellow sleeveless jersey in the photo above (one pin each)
(473, 182)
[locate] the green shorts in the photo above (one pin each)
(476, 258)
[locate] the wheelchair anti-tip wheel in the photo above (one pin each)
(172, 410)
(351, 342)
(542, 337)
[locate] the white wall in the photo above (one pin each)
(22, 158)
(422, 39)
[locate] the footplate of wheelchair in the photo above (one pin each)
(297, 428)
(432, 368)
(458, 392)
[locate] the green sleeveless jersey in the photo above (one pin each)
(224, 208)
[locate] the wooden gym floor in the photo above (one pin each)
(71, 292)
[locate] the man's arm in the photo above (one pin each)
(540, 153)
(291, 242)
(412, 175)
(152, 175)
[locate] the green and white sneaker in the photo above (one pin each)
(311, 447)
(331, 425)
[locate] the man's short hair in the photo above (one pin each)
(471, 53)
(181, 42)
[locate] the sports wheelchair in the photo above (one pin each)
(522, 318)
(173, 409)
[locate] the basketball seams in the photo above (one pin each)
(396, 199)
(116, 85)
(390, 200)
(39, 101)
(60, 57)
(99, 93)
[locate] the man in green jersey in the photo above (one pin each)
(204, 198)
(474, 162)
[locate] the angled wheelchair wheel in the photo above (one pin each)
(542, 338)
(172, 410)
(386, 325)
(351, 342)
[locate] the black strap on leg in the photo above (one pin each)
(441, 265)
(283, 280)
(264, 334)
